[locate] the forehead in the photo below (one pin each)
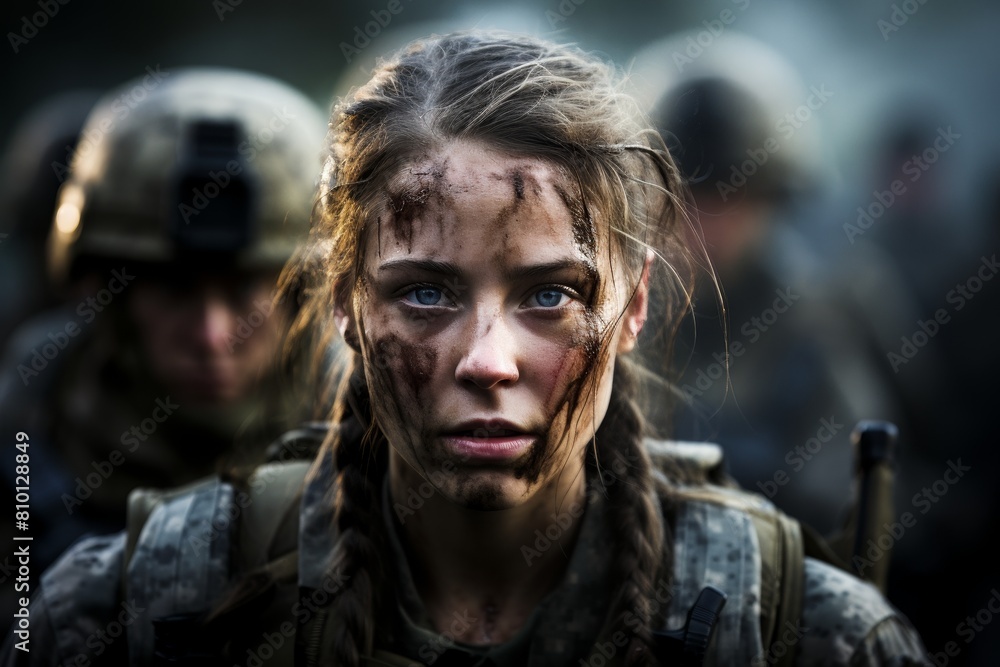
(475, 203)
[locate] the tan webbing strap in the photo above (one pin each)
(792, 576)
(782, 568)
(772, 568)
(273, 501)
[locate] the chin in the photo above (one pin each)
(486, 493)
(212, 395)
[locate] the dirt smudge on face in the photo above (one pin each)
(407, 207)
(398, 371)
(418, 186)
(419, 362)
(584, 231)
(518, 179)
(413, 363)
(552, 447)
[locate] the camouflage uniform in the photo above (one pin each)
(182, 563)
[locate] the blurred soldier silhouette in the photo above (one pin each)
(189, 190)
(909, 242)
(744, 132)
(34, 165)
(914, 269)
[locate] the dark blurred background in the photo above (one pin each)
(898, 76)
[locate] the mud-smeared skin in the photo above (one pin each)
(409, 203)
(406, 207)
(396, 377)
(422, 194)
(584, 232)
(419, 362)
(509, 212)
(518, 179)
(414, 363)
(542, 457)
(382, 381)
(525, 186)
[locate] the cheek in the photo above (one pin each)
(399, 375)
(155, 326)
(554, 367)
(580, 350)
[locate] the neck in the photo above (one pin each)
(489, 567)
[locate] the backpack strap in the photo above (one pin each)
(715, 543)
(179, 564)
(269, 523)
(782, 576)
(782, 542)
(178, 556)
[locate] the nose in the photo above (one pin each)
(490, 358)
(214, 323)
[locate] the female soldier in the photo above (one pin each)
(492, 222)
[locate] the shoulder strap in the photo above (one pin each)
(781, 556)
(782, 572)
(179, 564)
(177, 559)
(269, 522)
(780, 538)
(140, 505)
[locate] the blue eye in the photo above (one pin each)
(548, 298)
(425, 296)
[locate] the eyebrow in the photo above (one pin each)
(425, 265)
(582, 267)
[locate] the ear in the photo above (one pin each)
(635, 313)
(343, 316)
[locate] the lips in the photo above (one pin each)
(488, 440)
(487, 433)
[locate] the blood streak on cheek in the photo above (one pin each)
(561, 396)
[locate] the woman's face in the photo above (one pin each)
(486, 296)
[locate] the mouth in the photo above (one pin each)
(486, 433)
(488, 440)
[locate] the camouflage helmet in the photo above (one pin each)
(192, 165)
(731, 111)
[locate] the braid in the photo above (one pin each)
(358, 518)
(635, 517)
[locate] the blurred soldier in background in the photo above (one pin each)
(189, 190)
(33, 167)
(782, 378)
(917, 264)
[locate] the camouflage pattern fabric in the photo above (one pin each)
(181, 561)
(844, 621)
(717, 546)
